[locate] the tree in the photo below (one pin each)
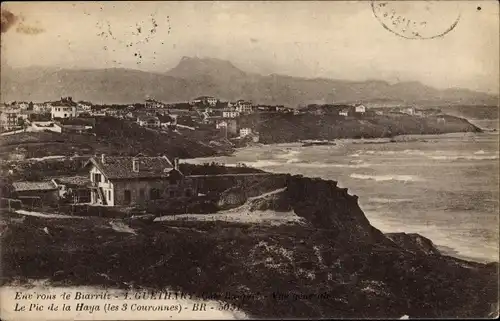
(30, 105)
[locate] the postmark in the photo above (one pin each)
(417, 19)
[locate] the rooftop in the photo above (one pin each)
(34, 186)
(147, 118)
(120, 167)
(73, 180)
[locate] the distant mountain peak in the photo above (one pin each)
(196, 76)
(189, 67)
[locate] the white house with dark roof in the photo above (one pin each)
(148, 121)
(64, 108)
(207, 100)
(360, 108)
(127, 181)
(244, 106)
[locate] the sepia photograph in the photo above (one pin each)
(249, 160)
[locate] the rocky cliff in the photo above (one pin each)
(284, 128)
(335, 266)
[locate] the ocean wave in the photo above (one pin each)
(381, 178)
(480, 152)
(388, 200)
(263, 163)
(335, 165)
(290, 154)
(293, 161)
(464, 157)
(391, 152)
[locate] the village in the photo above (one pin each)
(199, 113)
(117, 184)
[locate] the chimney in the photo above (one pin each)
(176, 163)
(135, 165)
(103, 158)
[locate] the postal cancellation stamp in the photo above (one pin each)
(416, 19)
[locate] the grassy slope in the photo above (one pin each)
(289, 128)
(112, 136)
(362, 279)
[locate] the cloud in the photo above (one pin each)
(8, 19)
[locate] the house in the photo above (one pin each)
(244, 106)
(151, 103)
(230, 114)
(245, 131)
(408, 111)
(360, 109)
(75, 189)
(111, 112)
(78, 125)
(23, 105)
(266, 108)
(42, 108)
(148, 121)
(84, 107)
(344, 112)
(9, 119)
(98, 113)
(229, 124)
(40, 193)
(65, 108)
(205, 100)
(127, 181)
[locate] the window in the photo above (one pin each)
(188, 193)
(97, 178)
(126, 196)
(109, 195)
(172, 193)
(154, 193)
(141, 194)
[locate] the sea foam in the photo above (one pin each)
(381, 178)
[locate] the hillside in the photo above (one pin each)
(329, 266)
(194, 76)
(292, 128)
(473, 112)
(111, 136)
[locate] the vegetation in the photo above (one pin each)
(284, 128)
(111, 136)
(333, 276)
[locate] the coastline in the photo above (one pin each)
(428, 139)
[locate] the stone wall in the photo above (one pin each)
(181, 189)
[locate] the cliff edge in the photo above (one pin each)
(335, 266)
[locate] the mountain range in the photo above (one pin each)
(194, 77)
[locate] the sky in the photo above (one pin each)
(342, 40)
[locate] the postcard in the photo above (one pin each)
(249, 160)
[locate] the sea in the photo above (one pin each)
(444, 187)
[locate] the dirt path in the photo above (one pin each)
(121, 227)
(47, 215)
